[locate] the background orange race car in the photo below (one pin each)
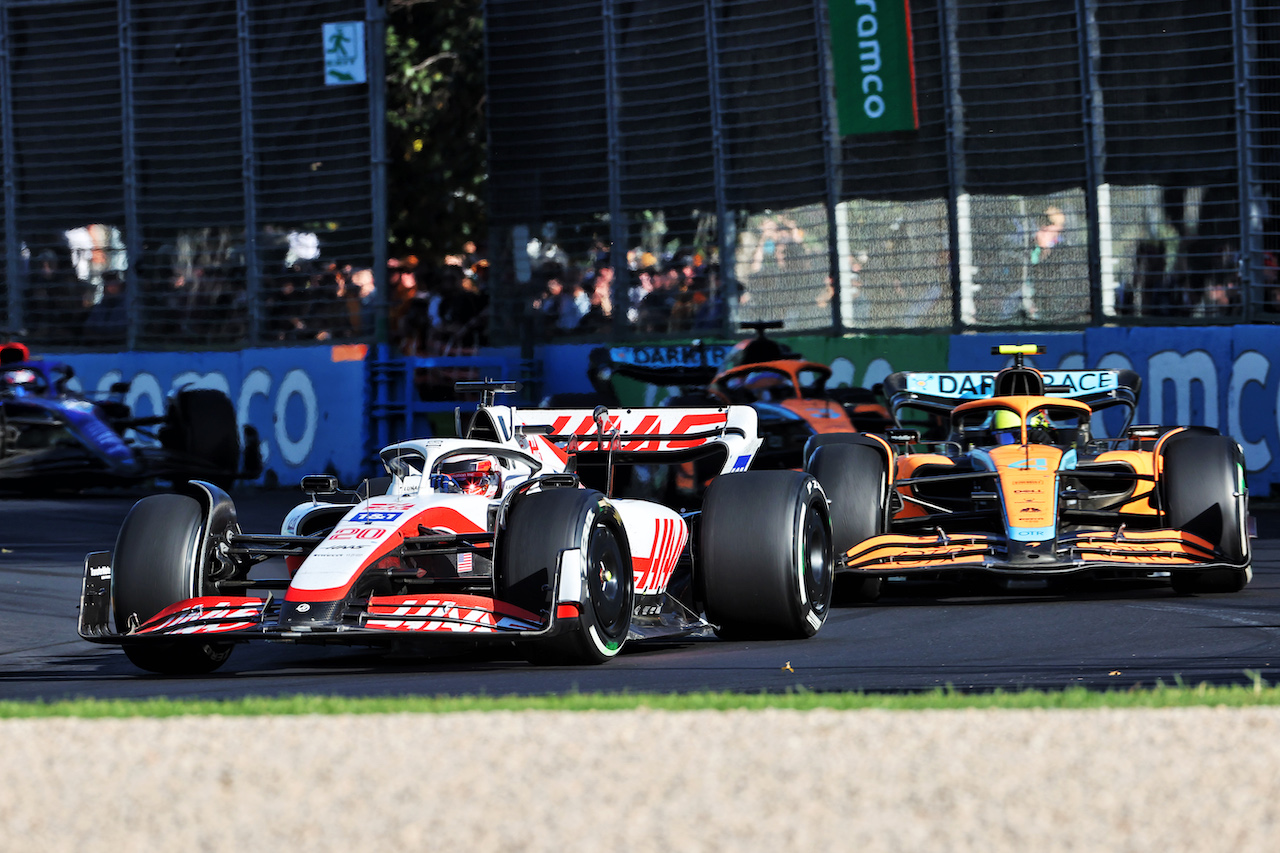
(1028, 490)
(789, 393)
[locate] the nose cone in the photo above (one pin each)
(310, 615)
(1029, 483)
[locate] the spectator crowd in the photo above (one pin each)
(667, 293)
(194, 293)
(199, 298)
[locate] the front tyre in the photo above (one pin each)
(766, 555)
(540, 527)
(855, 478)
(201, 427)
(1204, 494)
(155, 565)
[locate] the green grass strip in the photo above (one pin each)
(1160, 696)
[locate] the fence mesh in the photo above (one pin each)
(1102, 161)
(180, 175)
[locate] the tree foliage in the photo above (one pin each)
(435, 126)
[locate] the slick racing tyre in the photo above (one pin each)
(539, 527)
(855, 478)
(1204, 493)
(201, 424)
(766, 555)
(155, 565)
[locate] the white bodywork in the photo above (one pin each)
(413, 504)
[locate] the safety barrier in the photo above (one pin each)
(404, 393)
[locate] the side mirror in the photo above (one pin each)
(902, 436)
(320, 484)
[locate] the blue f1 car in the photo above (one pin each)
(53, 439)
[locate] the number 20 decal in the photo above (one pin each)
(358, 533)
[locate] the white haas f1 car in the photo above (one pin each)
(489, 537)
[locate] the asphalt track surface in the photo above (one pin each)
(912, 639)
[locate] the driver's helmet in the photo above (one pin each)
(19, 380)
(14, 353)
(1007, 426)
(1040, 429)
(469, 475)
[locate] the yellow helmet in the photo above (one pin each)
(1006, 419)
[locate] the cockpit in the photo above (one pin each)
(1063, 423)
(434, 468)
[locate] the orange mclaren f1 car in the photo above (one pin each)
(789, 393)
(1026, 491)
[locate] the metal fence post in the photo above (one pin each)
(12, 270)
(726, 231)
(252, 279)
(618, 232)
(832, 156)
(133, 241)
(1091, 119)
(377, 20)
(1244, 177)
(962, 295)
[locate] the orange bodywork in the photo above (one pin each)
(783, 383)
(1142, 462)
(907, 465)
(1016, 489)
(1028, 481)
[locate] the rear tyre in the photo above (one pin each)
(766, 557)
(540, 527)
(201, 424)
(1204, 494)
(855, 478)
(155, 565)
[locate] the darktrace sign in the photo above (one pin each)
(709, 355)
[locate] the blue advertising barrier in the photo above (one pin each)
(1226, 377)
(313, 406)
(307, 403)
(396, 410)
(1219, 376)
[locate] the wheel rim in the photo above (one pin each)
(815, 564)
(607, 585)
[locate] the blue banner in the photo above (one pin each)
(307, 403)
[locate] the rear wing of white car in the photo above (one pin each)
(640, 435)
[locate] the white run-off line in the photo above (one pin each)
(1249, 618)
(1197, 779)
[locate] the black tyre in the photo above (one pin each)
(1203, 492)
(542, 525)
(766, 555)
(201, 425)
(154, 566)
(855, 478)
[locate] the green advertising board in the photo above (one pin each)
(874, 70)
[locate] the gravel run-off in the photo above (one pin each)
(1197, 779)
